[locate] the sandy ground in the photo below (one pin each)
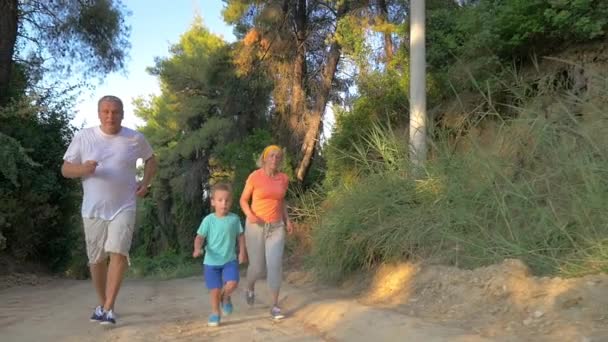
(502, 302)
(401, 303)
(176, 310)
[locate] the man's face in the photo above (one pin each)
(110, 115)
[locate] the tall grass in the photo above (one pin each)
(534, 188)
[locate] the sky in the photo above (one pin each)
(155, 26)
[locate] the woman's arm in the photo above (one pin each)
(246, 208)
(242, 249)
(288, 223)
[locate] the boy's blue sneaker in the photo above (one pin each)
(97, 314)
(227, 307)
(108, 318)
(214, 320)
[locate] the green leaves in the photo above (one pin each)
(12, 154)
(88, 37)
(522, 26)
(351, 36)
(38, 207)
(200, 141)
(475, 41)
(582, 19)
(205, 110)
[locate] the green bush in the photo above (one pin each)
(39, 208)
(480, 38)
(535, 192)
(518, 27)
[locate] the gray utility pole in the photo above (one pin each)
(418, 117)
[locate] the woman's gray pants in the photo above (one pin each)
(265, 245)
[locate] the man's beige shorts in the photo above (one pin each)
(105, 237)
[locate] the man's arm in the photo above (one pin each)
(149, 172)
(74, 170)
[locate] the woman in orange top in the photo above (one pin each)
(266, 223)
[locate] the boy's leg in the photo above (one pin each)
(255, 240)
(118, 244)
(95, 233)
(213, 281)
(229, 288)
(231, 277)
(214, 298)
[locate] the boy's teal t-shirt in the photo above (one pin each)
(221, 234)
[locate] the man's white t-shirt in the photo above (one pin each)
(111, 189)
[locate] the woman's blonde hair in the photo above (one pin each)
(267, 149)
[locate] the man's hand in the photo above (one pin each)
(242, 258)
(289, 227)
(88, 167)
(142, 190)
(197, 253)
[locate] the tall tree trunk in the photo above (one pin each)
(316, 115)
(388, 40)
(297, 110)
(418, 119)
(164, 204)
(8, 37)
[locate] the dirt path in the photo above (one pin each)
(176, 310)
(403, 302)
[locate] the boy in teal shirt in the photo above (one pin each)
(222, 229)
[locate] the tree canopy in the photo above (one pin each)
(41, 43)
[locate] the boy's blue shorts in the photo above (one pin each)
(217, 276)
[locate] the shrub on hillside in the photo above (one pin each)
(534, 191)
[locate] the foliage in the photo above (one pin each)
(38, 207)
(205, 125)
(351, 34)
(475, 39)
(535, 193)
(13, 154)
(297, 44)
(532, 191)
(238, 159)
(381, 100)
(79, 36)
(167, 265)
(39, 220)
(473, 208)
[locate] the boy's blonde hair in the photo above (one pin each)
(221, 186)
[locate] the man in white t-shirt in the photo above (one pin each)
(105, 158)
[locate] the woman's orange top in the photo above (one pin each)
(267, 194)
